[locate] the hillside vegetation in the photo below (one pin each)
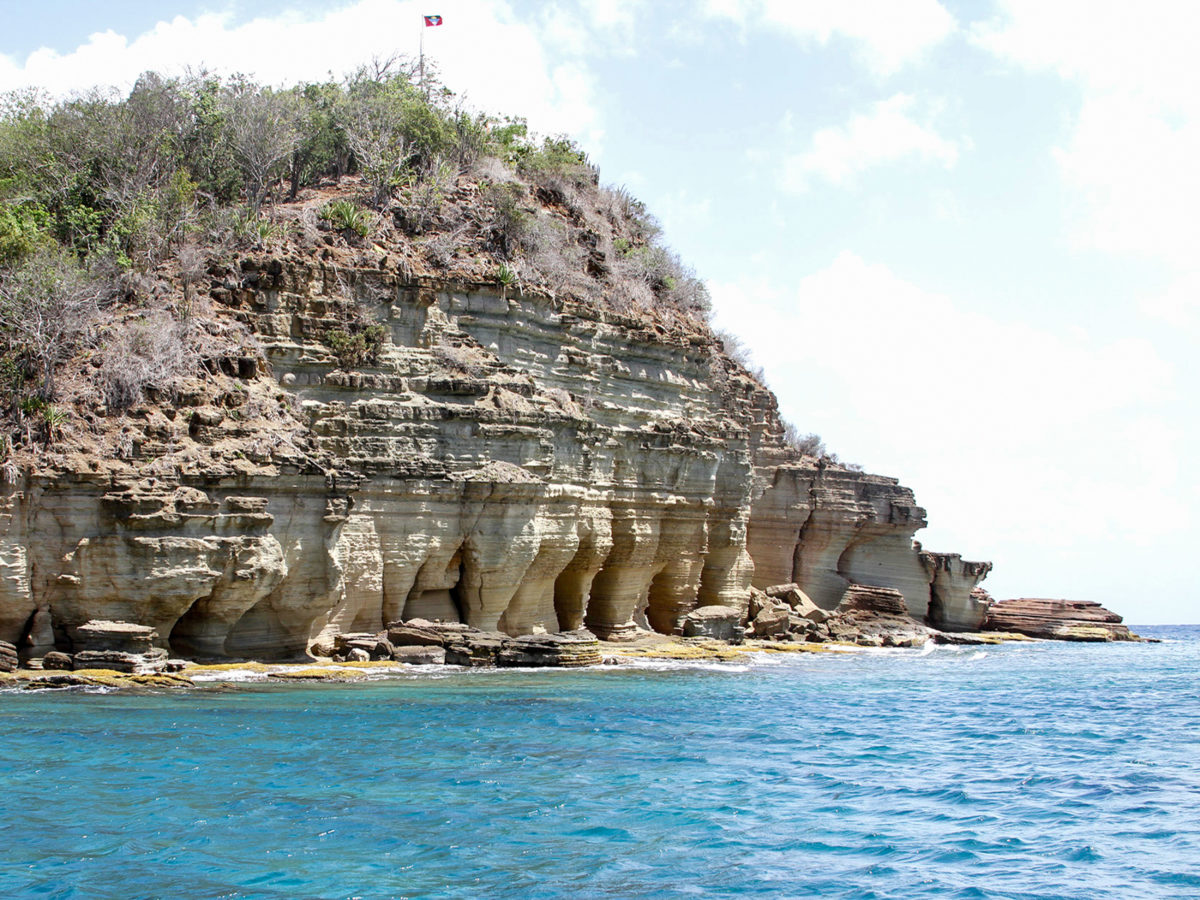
(116, 212)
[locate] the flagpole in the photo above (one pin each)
(422, 54)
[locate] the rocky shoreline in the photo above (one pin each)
(781, 619)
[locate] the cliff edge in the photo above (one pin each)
(501, 405)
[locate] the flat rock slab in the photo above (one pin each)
(119, 661)
(570, 649)
(1057, 620)
(420, 656)
(125, 637)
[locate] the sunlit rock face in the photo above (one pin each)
(514, 463)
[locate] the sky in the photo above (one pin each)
(961, 239)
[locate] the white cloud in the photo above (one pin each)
(592, 27)
(482, 45)
(889, 34)
(1130, 160)
(1179, 305)
(1043, 442)
(682, 210)
(887, 134)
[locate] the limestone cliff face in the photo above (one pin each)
(511, 461)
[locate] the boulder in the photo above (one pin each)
(816, 615)
(417, 655)
(357, 654)
(772, 621)
(861, 598)
(375, 646)
(8, 657)
(474, 648)
(874, 617)
(122, 637)
(793, 596)
(57, 660)
(720, 622)
(758, 602)
(409, 635)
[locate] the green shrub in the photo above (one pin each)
(358, 345)
(257, 229)
(22, 229)
(345, 216)
(509, 219)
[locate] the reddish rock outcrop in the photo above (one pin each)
(1062, 620)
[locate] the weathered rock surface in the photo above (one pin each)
(119, 661)
(411, 635)
(800, 603)
(1062, 620)
(475, 648)
(771, 621)
(420, 655)
(955, 604)
(57, 660)
(569, 649)
(515, 463)
(876, 617)
(723, 623)
(8, 657)
(119, 646)
(119, 637)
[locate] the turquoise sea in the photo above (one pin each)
(1023, 771)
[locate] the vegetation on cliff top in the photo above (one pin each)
(114, 211)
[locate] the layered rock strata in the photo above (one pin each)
(1062, 620)
(421, 642)
(513, 463)
(865, 615)
(115, 646)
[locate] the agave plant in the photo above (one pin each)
(345, 216)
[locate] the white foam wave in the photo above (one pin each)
(664, 665)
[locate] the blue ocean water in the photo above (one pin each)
(1022, 771)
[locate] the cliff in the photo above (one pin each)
(280, 366)
(511, 460)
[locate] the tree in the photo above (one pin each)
(374, 128)
(48, 306)
(262, 130)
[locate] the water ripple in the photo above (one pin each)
(1028, 771)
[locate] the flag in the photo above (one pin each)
(432, 20)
